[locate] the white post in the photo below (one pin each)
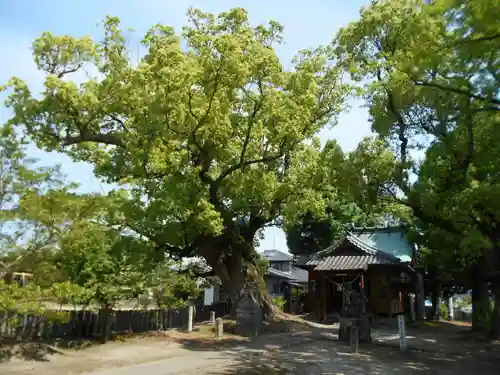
(212, 317)
(219, 328)
(451, 311)
(190, 318)
(412, 307)
(402, 332)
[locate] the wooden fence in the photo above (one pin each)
(82, 324)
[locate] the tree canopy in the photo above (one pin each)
(214, 137)
(429, 73)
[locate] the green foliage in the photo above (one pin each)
(170, 288)
(351, 196)
(279, 302)
(32, 218)
(31, 199)
(466, 301)
(444, 311)
(212, 135)
(429, 75)
(67, 242)
(16, 301)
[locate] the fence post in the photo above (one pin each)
(403, 341)
(412, 308)
(451, 309)
(190, 318)
(212, 317)
(219, 328)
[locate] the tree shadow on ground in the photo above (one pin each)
(40, 350)
(313, 352)
(29, 351)
(441, 336)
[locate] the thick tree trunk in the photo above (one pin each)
(494, 262)
(236, 282)
(235, 269)
(437, 299)
(233, 277)
(104, 322)
(436, 292)
(481, 310)
(495, 315)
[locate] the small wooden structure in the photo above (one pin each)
(381, 279)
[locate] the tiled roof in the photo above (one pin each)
(311, 260)
(280, 274)
(351, 262)
(326, 260)
(276, 256)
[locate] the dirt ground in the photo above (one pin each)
(322, 358)
(24, 358)
(39, 359)
(442, 349)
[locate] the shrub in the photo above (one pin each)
(279, 302)
(444, 311)
(465, 301)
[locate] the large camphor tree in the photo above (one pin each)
(213, 136)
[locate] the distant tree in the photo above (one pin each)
(351, 200)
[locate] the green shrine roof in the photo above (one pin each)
(391, 241)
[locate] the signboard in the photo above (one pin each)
(403, 341)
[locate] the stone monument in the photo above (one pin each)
(354, 320)
(249, 312)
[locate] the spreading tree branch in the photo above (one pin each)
(108, 139)
(457, 91)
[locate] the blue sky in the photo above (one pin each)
(307, 24)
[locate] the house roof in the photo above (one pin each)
(277, 256)
(280, 274)
(301, 275)
(327, 260)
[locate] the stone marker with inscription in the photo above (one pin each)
(249, 312)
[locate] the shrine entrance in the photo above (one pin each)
(341, 286)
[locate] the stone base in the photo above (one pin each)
(247, 330)
(362, 327)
